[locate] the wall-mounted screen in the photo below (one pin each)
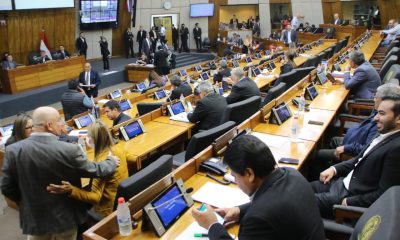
(40, 4)
(97, 14)
(5, 5)
(202, 10)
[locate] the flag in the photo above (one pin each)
(129, 5)
(44, 44)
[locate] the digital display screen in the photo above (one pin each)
(258, 55)
(99, 11)
(204, 76)
(5, 5)
(198, 68)
(182, 73)
(41, 4)
(171, 210)
(202, 10)
(256, 71)
(141, 86)
(322, 78)
(267, 52)
(272, 65)
(235, 63)
(85, 120)
(116, 94)
(133, 129)
(124, 105)
(7, 130)
(312, 91)
(160, 94)
(248, 59)
(337, 67)
(177, 108)
(236, 56)
(283, 112)
(225, 59)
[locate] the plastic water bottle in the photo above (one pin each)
(302, 104)
(124, 218)
(295, 128)
(182, 99)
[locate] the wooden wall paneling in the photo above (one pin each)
(330, 7)
(213, 22)
(124, 21)
(389, 9)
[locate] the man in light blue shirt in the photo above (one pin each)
(391, 33)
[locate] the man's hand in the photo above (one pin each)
(327, 175)
(92, 86)
(338, 151)
(347, 68)
(231, 215)
(64, 188)
(79, 89)
(205, 218)
(344, 202)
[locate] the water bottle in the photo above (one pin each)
(188, 80)
(295, 126)
(124, 218)
(302, 104)
(182, 99)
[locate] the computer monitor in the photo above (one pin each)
(141, 86)
(248, 60)
(125, 105)
(198, 68)
(311, 92)
(204, 76)
(272, 65)
(116, 94)
(84, 121)
(256, 71)
(6, 130)
(182, 73)
(321, 78)
(235, 63)
(281, 113)
(176, 108)
(132, 130)
(160, 94)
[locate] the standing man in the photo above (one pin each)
(256, 28)
(296, 21)
(89, 81)
(161, 61)
(175, 36)
(32, 164)
(162, 34)
(141, 35)
(289, 37)
(337, 20)
(147, 45)
(129, 43)
(81, 45)
(75, 101)
(197, 36)
(184, 32)
(154, 39)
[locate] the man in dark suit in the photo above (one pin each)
(209, 108)
(292, 215)
(234, 22)
(365, 79)
(9, 63)
(113, 112)
(224, 72)
(337, 20)
(141, 35)
(243, 87)
(81, 44)
(175, 37)
(62, 53)
(184, 33)
(197, 36)
(89, 81)
(146, 45)
(179, 88)
(128, 36)
(161, 61)
(154, 39)
(361, 180)
(43, 58)
(32, 164)
(256, 28)
(289, 36)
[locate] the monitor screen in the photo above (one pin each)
(235, 63)
(272, 65)
(322, 78)
(248, 59)
(312, 91)
(5, 5)
(204, 76)
(256, 71)
(258, 55)
(198, 68)
(169, 206)
(182, 73)
(177, 108)
(133, 129)
(98, 13)
(283, 112)
(85, 121)
(124, 104)
(116, 94)
(236, 56)
(202, 10)
(160, 94)
(141, 86)
(267, 52)
(6, 130)
(41, 4)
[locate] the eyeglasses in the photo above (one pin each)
(28, 127)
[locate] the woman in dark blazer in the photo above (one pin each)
(105, 52)
(288, 63)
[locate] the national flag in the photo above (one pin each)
(129, 5)
(44, 44)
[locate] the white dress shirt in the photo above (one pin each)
(87, 78)
(392, 33)
(162, 31)
(289, 35)
(295, 23)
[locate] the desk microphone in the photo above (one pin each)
(189, 190)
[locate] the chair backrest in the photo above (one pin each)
(394, 81)
(240, 111)
(286, 78)
(394, 72)
(144, 178)
(346, 41)
(32, 57)
(273, 93)
(395, 51)
(329, 52)
(302, 72)
(386, 66)
(338, 47)
(382, 218)
(311, 62)
(203, 139)
(394, 43)
(144, 107)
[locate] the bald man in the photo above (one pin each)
(89, 81)
(32, 164)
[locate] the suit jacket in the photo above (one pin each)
(287, 67)
(121, 118)
(81, 45)
(128, 36)
(6, 65)
(196, 33)
(140, 36)
(31, 165)
(146, 47)
(184, 33)
(364, 82)
(378, 171)
(175, 34)
(94, 79)
(338, 22)
(208, 111)
(292, 215)
(161, 59)
(153, 35)
(184, 89)
(293, 36)
(104, 49)
(256, 28)
(243, 90)
(63, 55)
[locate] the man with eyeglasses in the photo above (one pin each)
(32, 164)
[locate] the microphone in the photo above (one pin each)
(189, 190)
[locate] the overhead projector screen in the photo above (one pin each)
(41, 4)
(5, 5)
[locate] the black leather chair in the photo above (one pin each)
(394, 52)
(32, 57)
(329, 52)
(147, 107)
(394, 43)
(200, 141)
(240, 111)
(386, 66)
(286, 78)
(311, 62)
(273, 93)
(302, 72)
(393, 72)
(346, 41)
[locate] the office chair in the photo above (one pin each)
(302, 72)
(393, 72)
(206, 44)
(32, 57)
(200, 141)
(329, 52)
(311, 62)
(240, 111)
(273, 93)
(147, 107)
(346, 41)
(286, 78)
(386, 66)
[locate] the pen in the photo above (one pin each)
(200, 235)
(202, 208)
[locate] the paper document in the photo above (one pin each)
(271, 140)
(193, 228)
(220, 196)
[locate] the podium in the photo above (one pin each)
(138, 73)
(342, 31)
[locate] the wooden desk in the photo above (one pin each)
(342, 31)
(136, 73)
(330, 97)
(307, 37)
(40, 75)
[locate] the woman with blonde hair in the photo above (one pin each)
(102, 190)
(22, 128)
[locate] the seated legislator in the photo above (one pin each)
(358, 136)
(243, 87)
(288, 63)
(209, 108)
(224, 71)
(74, 101)
(9, 63)
(63, 54)
(228, 51)
(89, 81)
(22, 129)
(113, 112)
(103, 190)
(282, 205)
(337, 20)
(364, 178)
(43, 58)
(179, 88)
(365, 79)
(391, 33)
(143, 60)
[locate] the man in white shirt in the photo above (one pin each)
(162, 34)
(391, 33)
(337, 20)
(296, 21)
(364, 178)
